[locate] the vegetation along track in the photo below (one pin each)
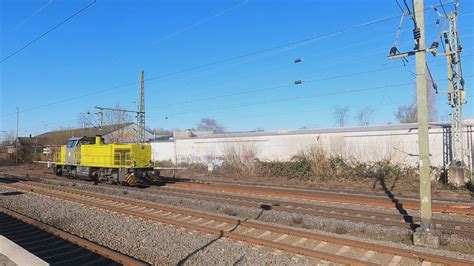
(372, 217)
(292, 240)
(461, 209)
(56, 246)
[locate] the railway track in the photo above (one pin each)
(442, 207)
(55, 246)
(437, 195)
(323, 247)
(372, 217)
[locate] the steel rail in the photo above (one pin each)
(84, 243)
(298, 233)
(317, 210)
(462, 209)
(231, 235)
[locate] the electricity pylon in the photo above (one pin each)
(141, 109)
(456, 95)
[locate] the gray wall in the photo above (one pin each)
(398, 143)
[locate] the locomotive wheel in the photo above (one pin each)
(58, 171)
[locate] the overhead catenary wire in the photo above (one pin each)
(245, 55)
(347, 91)
(243, 92)
(284, 99)
(252, 91)
(294, 98)
(196, 24)
(36, 12)
(46, 32)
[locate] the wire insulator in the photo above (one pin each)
(417, 33)
(393, 51)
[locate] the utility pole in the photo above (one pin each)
(141, 109)
(17, 127)
(456, 98)
(425, 234)
(101, 119)
(422, 109)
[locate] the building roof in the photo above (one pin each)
(27, 141)
(408, 126)
(60, 137)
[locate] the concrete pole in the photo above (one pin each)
(425, 235)
(101, 117)
(422, 109)
(17, 128)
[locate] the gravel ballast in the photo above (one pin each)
(345, 227)
(152, 242)
(214, 252)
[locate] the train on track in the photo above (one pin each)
(91, 158)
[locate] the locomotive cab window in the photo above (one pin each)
(71, 143)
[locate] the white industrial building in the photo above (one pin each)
(397, 143)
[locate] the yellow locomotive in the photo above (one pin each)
(91, 158)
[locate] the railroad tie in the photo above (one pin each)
(266, 233)
(301, 241)
(196, 220)
(221, 225)
(249, 231)
(184, 218)
(368, 255)
(208, 222)
(343, 250)
(280, 238)
(321, 244)
(395, 261)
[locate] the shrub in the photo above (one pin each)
(299, 168)
(164, 163)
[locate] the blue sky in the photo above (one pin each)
(109, 43)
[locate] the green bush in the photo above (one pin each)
(291, 169)
(334, 167)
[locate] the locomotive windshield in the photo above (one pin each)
(71, 143)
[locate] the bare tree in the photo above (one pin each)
(210, 124)
(364, 116)
(162, 131)
(408, 113)
(87, 120)
(8, 137)
(116, 117)
(341, 115)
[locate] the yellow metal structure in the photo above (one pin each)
(109, 155)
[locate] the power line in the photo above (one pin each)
(250, 54)
(72, 98)
(223, 12)
(296, 98)
(45, 33)
(268, 102)
(36, 12)
(243, 92)
(292, 99)
(218, 62)
(281, 86)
